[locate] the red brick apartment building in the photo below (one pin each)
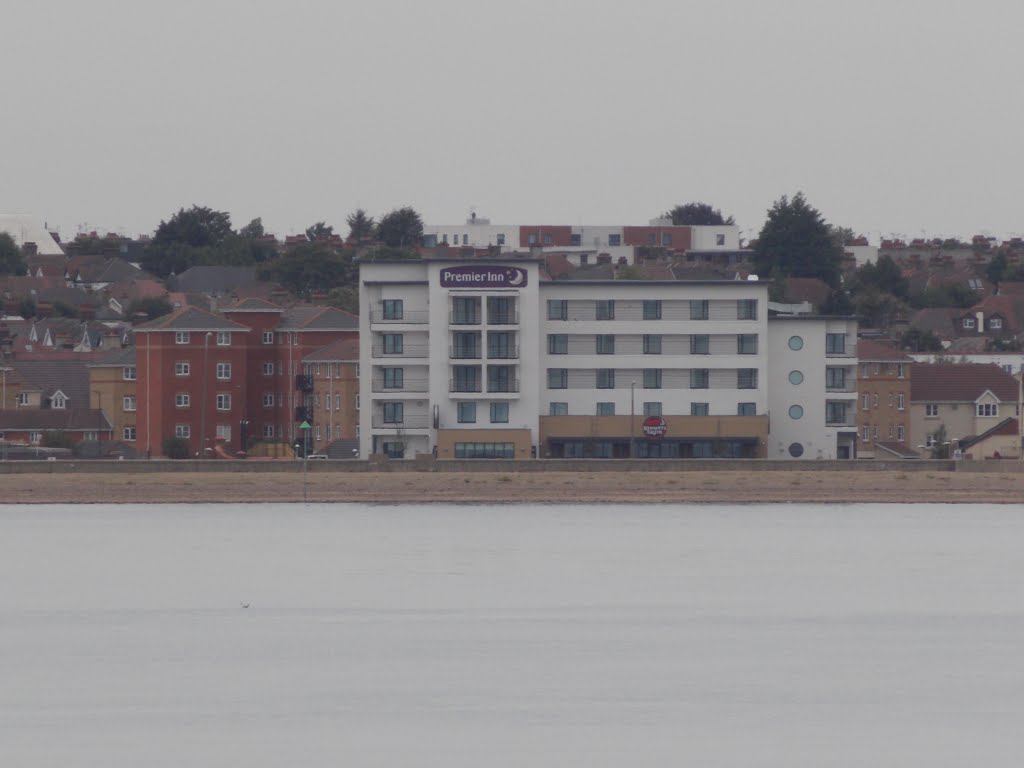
(223, 382)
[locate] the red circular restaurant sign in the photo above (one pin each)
(655, 426)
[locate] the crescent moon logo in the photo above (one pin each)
(515, 277)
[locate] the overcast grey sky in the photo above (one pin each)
(893, 116)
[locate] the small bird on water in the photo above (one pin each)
(245, 605)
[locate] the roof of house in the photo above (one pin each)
(45, 419)
(212, 279)
(938, 320)
(343, 349)
(897, 449)
(190, 319)
(48, 376)
(960, 383)
(876, 351)
(254, 304)
(809, 289)
(118, 358)
(1005, 427)
(25, 228)
(312, 318)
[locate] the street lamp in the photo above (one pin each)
(632, 418)
(202, 405)
(99, 432)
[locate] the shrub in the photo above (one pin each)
(176, 448)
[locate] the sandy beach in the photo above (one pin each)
(510, 487)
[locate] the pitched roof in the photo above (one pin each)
(872, 351)
(311, 318)
(25, 228)
(897, 449)
(254, 304)
(69, 376)
(213, 279)
(190, 319)
(343, 349)
(939, 320)
(959, 383)
(116, 359)
(1007, 426)
(43, 419)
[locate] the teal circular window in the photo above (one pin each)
(796, 411)
(796, 343)
(796, 377)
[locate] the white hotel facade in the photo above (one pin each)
(484, 358)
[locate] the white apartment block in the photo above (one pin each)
(483, 358)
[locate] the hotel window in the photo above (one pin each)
(393, 309)
(699, 378)
(699, 409)
(652, 408)
(181, 369)
(835, 378)
(558, 378)
(835, 344)
(652, 378)
(746, 309)
(968, 322)
(501, 310)
(652, 344)
(466, 310)
(181, 337)
(466, 413)
(988, 409)
(500, 345)
(931, 409)
(394, 413)
(394, 378)
(614, 240)
(268, 369)
(128, 403)
(268, 337)
(466, 345)
(501, 378)
(606, 378)
(466, 378)
(746, 378)
(499, 413)
(223, 402)
(698, 310)
(746, 409)
(268, 400)
(652, 309)
(223, 371)
(605, 344)
(746, 344)
(558, 309)
(900, 402)
(700, 344)
(223, 338)
(558, 344)
(835, 413)
(606, 409)
(558, 409)
(128, 434)
(268, 430)
(604, 309)
(182, 430)
(128, 373)
(182, 400)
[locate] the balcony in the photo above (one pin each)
(413, 317)
(462, 385)
(407, 385)
(503, 353)
(408, 421)
(304, 383)
(503, 386)
(463, 318)
(408, 350)
(503, 318)
(464, 352)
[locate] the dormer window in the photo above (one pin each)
(995, 323)
(23, 398)
(968, 322)
(58, 402)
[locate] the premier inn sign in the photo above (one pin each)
(483, 276)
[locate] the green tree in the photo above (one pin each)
(344, 297)
(152, 307)
(360, 226)
(953, 295)
(917, 340)
(841, 235)
(884, 276)
(27, 307)
(697, 214)
(198, 227)
(838, 303)
(796, 239)
(310, 267)
(12, 260)
(878, 308)
(996, 269)
(175, 448)
(252, 230)
(401, 228)
(63, 309)
(319, 231)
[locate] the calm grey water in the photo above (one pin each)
(511, 635)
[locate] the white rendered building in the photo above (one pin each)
(482, 358)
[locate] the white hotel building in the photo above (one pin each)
(486, 358)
